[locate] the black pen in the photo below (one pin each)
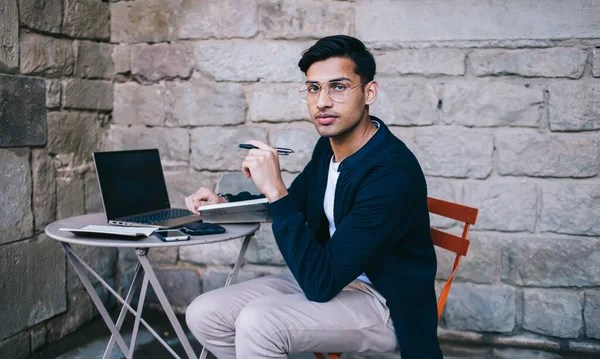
(280, 150)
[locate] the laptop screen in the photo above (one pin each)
(131, 182)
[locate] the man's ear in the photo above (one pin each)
(371, 91)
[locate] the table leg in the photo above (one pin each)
(233, 274)
(164, 302)
(80, 270)
(138, 316)
(130, 293)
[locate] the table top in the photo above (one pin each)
(232, 231)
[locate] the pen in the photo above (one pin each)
(280, 150)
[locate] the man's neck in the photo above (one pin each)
(346, 145)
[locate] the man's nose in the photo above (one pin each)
(324, 101)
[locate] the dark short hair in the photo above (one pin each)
(341, 46)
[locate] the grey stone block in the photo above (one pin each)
(222, 253)
(148, 21)
(596, 62)
(16, 219)
(302, 139)
(38, 337)
(43, 15)
(492, 103)
(44, 55)
(23, 116)
(172, 143)
(268, 61)
(198, 103)
(532, 261)
(451, 152)
(9, 40)
(120, 57)
(263, 248)
(160, 61)
(181, 287)
(136, 104)
(537, 155)
(81, 310)
(504, 206)
(88, 94)
(288, 20)
(570, 208)
(76, 133)
(236, 183)
(223, 19)
(94, 60)
(407, 102)
(510, 353)
(70, 197)
(428, 62)
(93, 198)
(591, 314)
(481, 265)
(44, 189)
(33, 283)
(53, 93)
(183, 184)
(453, 20)
(16, 347)
(574, 106)
(441, 188)
(552, 62)
(215, 148)
(275, 103)
(553, 312)
(87, 19)
(102, 260)
(481, 308)
(164, 255)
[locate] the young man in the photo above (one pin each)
(353, 229)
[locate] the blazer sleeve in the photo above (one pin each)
(380, 216)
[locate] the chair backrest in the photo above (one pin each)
(459, 245)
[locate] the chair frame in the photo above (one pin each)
(458, 245)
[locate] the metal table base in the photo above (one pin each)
(145, 276)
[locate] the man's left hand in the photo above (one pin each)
(262, 165)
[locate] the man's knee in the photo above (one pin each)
(259, 327)
(202, 316)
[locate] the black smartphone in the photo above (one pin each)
(200, 228)
(171, 235)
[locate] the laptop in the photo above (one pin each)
(134, 192)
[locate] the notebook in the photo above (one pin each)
(134, 192)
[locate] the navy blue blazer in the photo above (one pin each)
(382, 229)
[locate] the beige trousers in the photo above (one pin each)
(270, 317)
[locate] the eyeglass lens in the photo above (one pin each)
(337, 91)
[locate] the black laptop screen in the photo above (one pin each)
(131, 182)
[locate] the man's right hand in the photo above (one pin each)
(202, 197)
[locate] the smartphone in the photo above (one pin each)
(200, 228)
(171, 235)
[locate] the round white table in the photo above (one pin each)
(141, 246)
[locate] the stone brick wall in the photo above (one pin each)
(500, 103)
(56, 96)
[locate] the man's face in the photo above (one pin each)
(332, 118)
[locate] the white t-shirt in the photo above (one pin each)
(332, 179)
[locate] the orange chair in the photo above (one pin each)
(458, 245)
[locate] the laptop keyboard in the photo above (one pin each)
(160, 216)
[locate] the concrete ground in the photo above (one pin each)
(90, 341)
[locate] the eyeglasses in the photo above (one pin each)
(336, 90)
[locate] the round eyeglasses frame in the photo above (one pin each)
(303, 92)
